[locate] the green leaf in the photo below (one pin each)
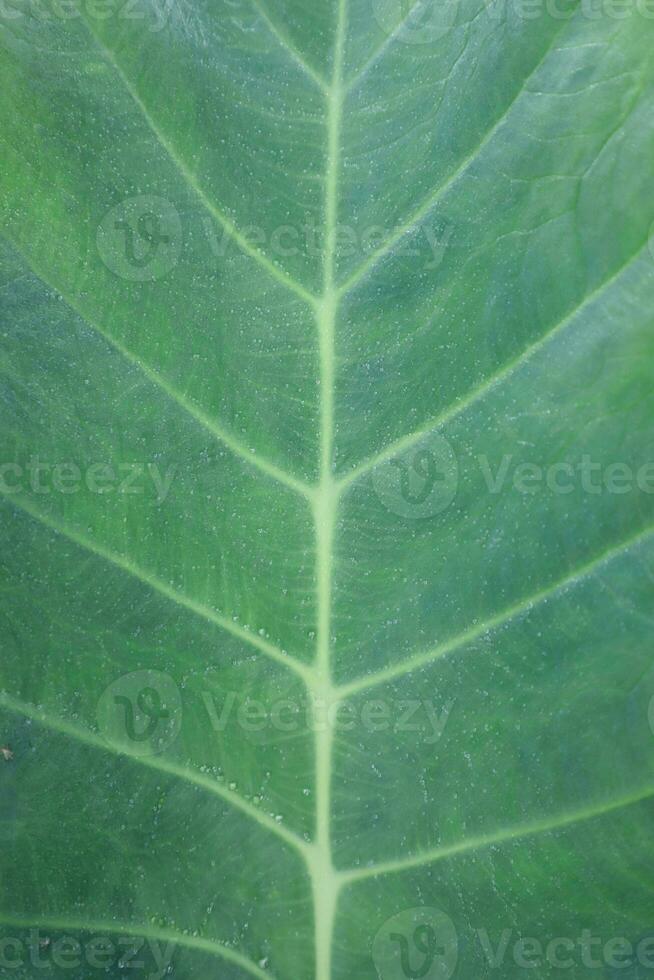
(327, 489)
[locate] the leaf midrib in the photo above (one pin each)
(344, 875)
(324, 877)
(404, 667)
(315, 302)
(342, 878)
(308, 490)
(327, 881)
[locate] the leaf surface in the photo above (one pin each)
(327, 488)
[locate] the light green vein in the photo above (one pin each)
(288, 45)
(436, 195)
(460, 406)
(145, 931)
(87, 737)
(495, 622)
(324, 878)
(379, 52)
(158, 585)
(499, 837)
(233, 444)
(273, 270)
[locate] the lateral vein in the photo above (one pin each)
(138, 931)
(233, 444)
(354, 80)
(126, 565)
(494, 622)
(273, 270)
(489, 840)
(87, 737)
(289, 47)
(452, 411)
(440, 191)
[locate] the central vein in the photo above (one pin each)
(326, 880)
